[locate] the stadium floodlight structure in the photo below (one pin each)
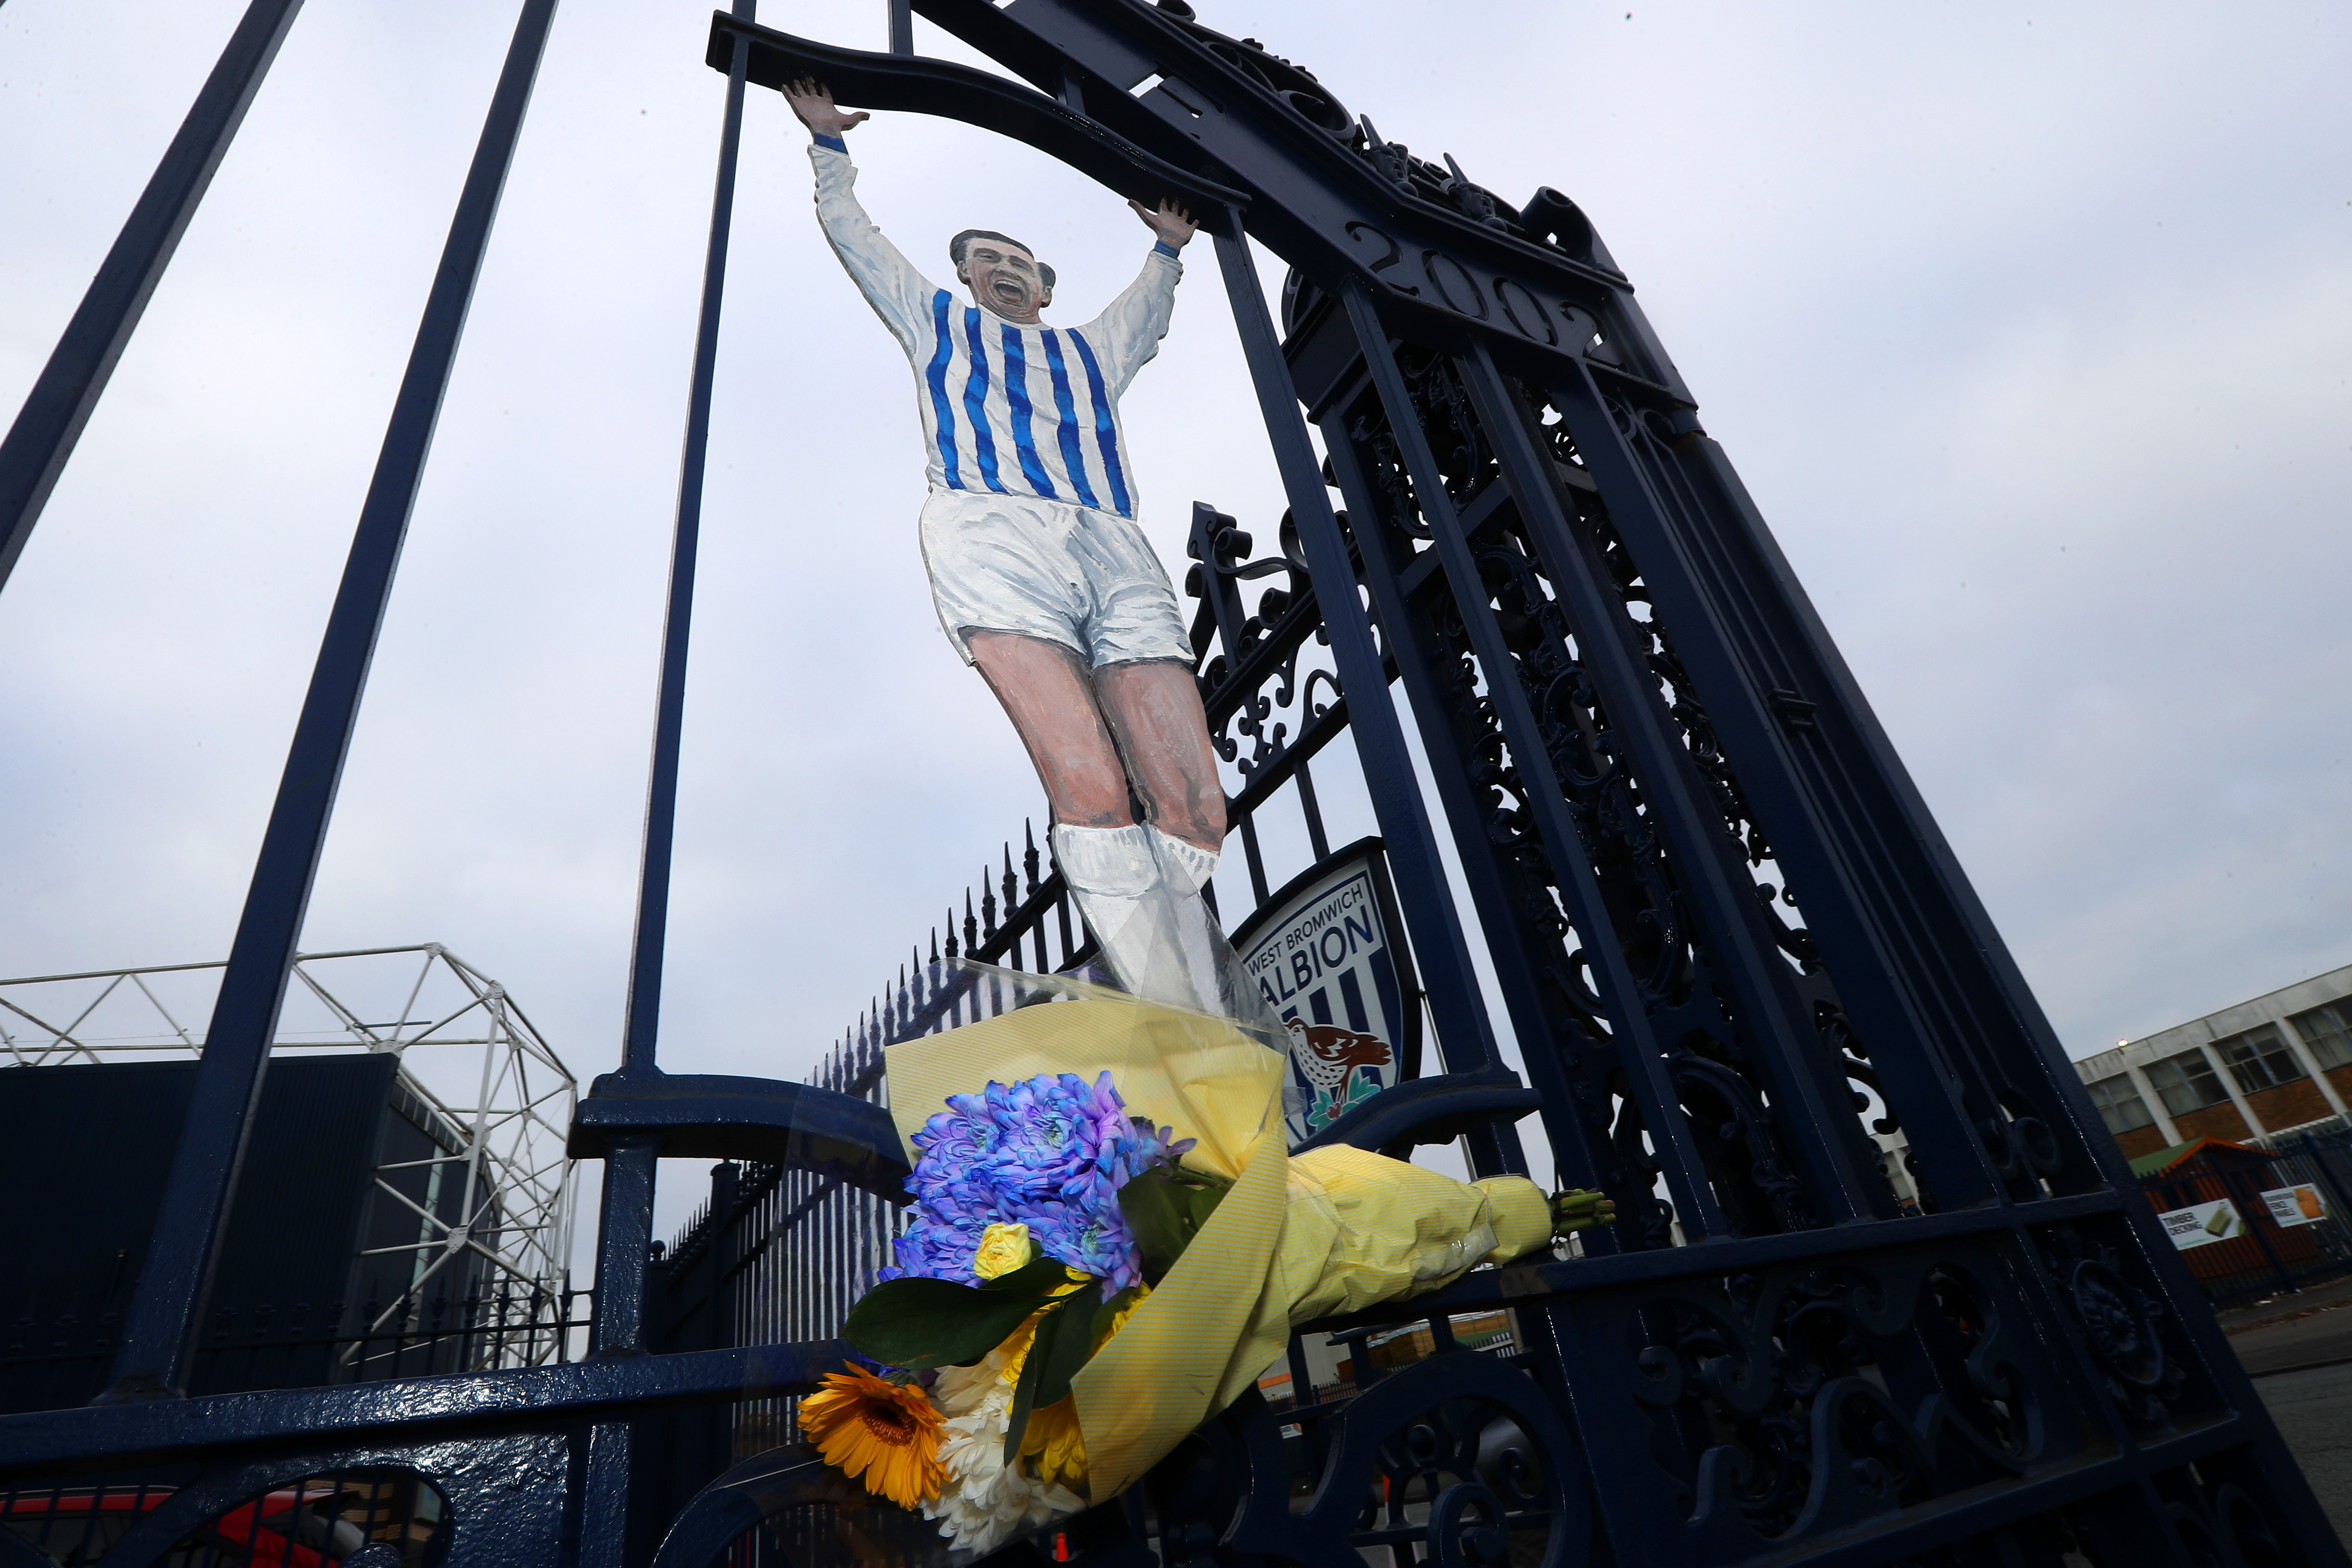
(490, 1189)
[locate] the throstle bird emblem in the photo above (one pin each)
(1329, 1055)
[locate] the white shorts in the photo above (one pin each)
(1086, 579)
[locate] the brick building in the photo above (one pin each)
(2278, 1063)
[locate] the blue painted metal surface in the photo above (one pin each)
(179, 1263)
(1431, 1111)
(42, 438)
(707, 1116)
(1632, 718)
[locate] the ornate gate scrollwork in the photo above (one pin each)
(2122, 1325)
(1461, 1458)
(1818, 1397)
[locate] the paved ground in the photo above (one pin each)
(2314, 1411)
(2280, 1341)
(2294, 1330)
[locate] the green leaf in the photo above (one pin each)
(1155, 1221)
(1201, 1200)
(1041, 1276)
(1024, 1393)
(921, 1324)
(1072, 1343)
(1165, 1207)
(1109, 1310)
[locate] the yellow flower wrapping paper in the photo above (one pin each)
(1334, 1229)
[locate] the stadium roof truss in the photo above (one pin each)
(497, 1099)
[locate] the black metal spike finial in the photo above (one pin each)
(970, 925)
(954, 947)
(1029, 851)
(987, 904)
(1011, 887)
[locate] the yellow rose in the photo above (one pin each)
(1003, 1248)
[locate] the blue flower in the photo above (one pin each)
(1050, 1153)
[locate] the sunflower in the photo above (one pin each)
(885, 1433)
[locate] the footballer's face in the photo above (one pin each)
(1006, 278)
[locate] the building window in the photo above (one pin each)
(2185, 1082)
(2326, 1033)
(2120, 1106)
(2258, 1060)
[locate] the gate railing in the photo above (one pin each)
(2267, 1259)
(294, 1344)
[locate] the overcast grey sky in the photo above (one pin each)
(2029, 329)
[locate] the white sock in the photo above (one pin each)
(1117, 885)
(1187, 866)
(1116, 862)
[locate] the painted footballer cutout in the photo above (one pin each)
(1043, 580)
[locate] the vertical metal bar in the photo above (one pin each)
(1312, 809)
(2240, 1191)
(642, 1028)
(39, 444)
(2326, 1173)
(1642, 1054)
(1519, 960)
(902, 26)
(1917, 965)
(1465, 1034)
(1818, 1125)
(625, 1233)
(617, 1329)
(157, 1330)
(1248, 826)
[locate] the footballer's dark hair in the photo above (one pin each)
(962, 243)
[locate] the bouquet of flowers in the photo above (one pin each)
(1109, 1243)
(1044, 1213)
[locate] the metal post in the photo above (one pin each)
(152, 1358)
(625, 1232)
(1465, 1035)
(1817, 1123)
(43, 438)
(2241, 1190)
(1642, 1054)
(643, 1024)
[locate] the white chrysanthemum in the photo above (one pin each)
(986, 1502)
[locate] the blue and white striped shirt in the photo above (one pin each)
(1022, 411)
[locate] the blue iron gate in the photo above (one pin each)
(1722, 925)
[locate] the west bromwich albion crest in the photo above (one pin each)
(1329, 957)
